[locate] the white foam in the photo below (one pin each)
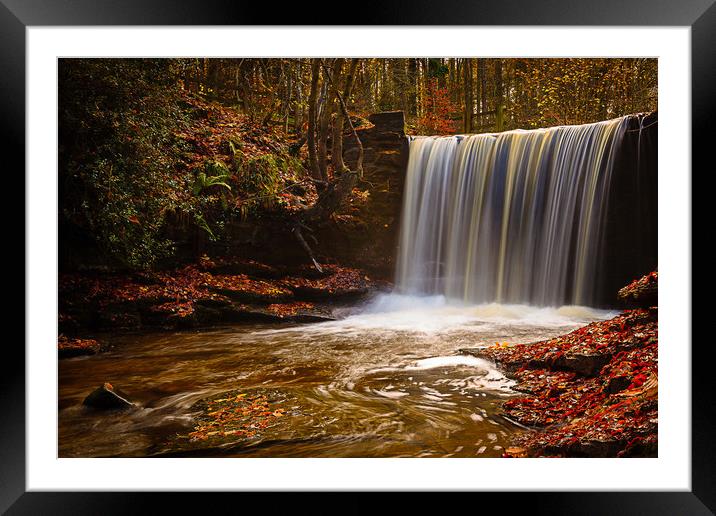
(451, 361)
(390, 394)
(430, 315)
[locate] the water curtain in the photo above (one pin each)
(513, 217)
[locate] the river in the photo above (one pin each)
(383, 380)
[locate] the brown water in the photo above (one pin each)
(387, 381)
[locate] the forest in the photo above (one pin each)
(133, 144)
(357, 257)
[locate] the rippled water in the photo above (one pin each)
(384, 380)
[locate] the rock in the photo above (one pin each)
(119, 318)
(67, 348)
(147, 278)
(207, 315)
(587, 365)
(215, 302)
(72, 323)
(390, 159)
(106, 397)
(248, 313)
(516, 452)
(643, 292)
(243, 289)
(327, 294)
(595, 448)
(389, 121)
(359, 121)
(617, 384)
(174, 315)
(237, 266)
(240, 295)
(183, 321)
(311, 317)
(641, 447)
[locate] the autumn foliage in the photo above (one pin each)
(438, 111)
(144, 163)
(235, 414)
(592, 392)
(642, 291)
(213, 290)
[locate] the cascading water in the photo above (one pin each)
(514, 217)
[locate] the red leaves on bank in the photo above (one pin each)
(610, 412)
(289, 309)
(630, 329)
(339, 279)
(168, 297)
(67, 347)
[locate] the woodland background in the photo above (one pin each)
(152, 147)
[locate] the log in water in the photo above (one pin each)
(514, 217)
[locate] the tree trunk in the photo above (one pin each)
(467, 86)
(337, 140)
(482, 70)
(499, 94)
(312, 107)
(335, 191)
(334, 68)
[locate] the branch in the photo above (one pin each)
(344, 109)
(299, 236)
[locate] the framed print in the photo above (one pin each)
(405, 251)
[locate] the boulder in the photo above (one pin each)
(582, 363)
(107, 397)
(617, 384)
(642, 292)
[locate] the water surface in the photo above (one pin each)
(384, 380)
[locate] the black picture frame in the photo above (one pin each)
(17, 15)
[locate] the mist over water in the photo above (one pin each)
(515, 217)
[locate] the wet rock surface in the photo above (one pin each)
(208, 293)
(107, 397)
(642, 292)
(67, 348)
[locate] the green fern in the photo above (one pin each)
(215, 173)
(201, 222)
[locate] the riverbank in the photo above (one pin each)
(592, 392)
(213, 291)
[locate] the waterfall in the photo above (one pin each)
(513, 217)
